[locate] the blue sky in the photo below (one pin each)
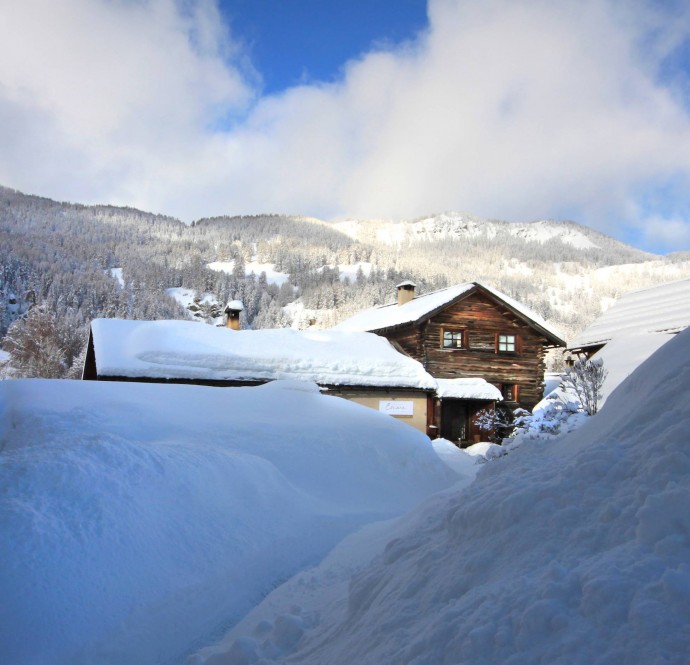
(509, 109)
(297, 41)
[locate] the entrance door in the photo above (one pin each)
(454, 420)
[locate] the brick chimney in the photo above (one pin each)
(232, 310)
(405, 291)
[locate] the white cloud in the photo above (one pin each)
(667, 232)
(119, 88)
(505, 108)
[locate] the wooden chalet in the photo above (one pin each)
(467, 331)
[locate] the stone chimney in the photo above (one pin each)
(405, 291)
(232, 310)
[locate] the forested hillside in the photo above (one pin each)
(63, 264)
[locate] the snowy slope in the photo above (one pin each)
(196, 305)
(456, 226)
(573, 551)
(272, 275)
(138, 520)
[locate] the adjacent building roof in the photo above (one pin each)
(190, 350)
(417, 310)
(470, 388)
(659, 309)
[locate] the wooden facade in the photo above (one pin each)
(480, 335)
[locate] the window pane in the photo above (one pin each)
(452, 339)
(506, 342)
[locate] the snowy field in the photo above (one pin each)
(146, 522)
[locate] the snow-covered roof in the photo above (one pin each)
(624, 354)
(195, 351)
(470, 388)
(424, 306)
(390, 316)
(664, 308)
(235, 306)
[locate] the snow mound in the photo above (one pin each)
(574, 550)
(140, 521)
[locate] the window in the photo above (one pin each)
(510, 392)
(454, 339)
(507, 344)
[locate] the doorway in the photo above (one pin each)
(454, 420)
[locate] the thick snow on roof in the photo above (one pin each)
(392, 315)
(664, 308)
(136, 520)
(473, 388)
(574, 550)
(389, 316)
(190, 350)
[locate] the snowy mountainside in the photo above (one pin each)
(459, 226)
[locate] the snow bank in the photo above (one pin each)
(139, 521)
(568, 551)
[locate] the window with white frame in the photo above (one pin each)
(454, 339)
(507, 344)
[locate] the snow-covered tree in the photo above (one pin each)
(586, 379)
(34, 346)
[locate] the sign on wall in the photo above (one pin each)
(397, 408)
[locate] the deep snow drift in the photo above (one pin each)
(139, 521)
(575, 550)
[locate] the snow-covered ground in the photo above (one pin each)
(569, 551)
(273, 276)
(139, 521)
(349, 271)
(116, 273)
(186, 298)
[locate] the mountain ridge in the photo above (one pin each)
(64, 256)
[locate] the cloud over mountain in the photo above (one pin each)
(516, 110)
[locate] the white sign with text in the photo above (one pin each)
(396, 408)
